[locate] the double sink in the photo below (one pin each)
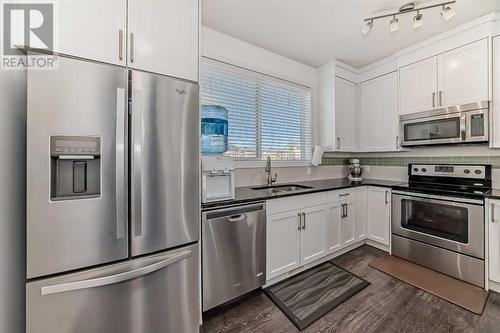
(281, 189)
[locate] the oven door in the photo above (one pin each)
(449, 128)
(452, 223)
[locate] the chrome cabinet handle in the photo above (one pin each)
(112, 279)
(300, 221)
(492, 213)
(346, 210)
(120, 44)
(440, 98)
(120, 165)
(386, 197)
(433, 99)
(132, 42)
(303, 221)
(338, 142)
(342, 213)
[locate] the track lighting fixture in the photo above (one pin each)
(367, 27)
(394, 24)
(447, 13)
(418, 20)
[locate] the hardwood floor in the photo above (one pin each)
(387, 305)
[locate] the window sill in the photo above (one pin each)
(242, 164)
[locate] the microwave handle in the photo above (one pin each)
(463, 127)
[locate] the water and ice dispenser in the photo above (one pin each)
(75, 167)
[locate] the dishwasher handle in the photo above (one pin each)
(234, 213)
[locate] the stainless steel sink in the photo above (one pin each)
(276, 189)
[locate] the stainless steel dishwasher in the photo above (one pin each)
(234, 252)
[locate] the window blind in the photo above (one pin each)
(266, 116)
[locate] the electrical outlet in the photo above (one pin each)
(308, 171)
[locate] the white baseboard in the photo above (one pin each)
(379, 246)
(495, 286)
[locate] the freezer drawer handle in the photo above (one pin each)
(112, 279)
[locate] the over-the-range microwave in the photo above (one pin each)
(459, 124)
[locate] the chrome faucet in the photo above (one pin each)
(270, 178)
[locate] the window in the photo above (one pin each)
(266, 115)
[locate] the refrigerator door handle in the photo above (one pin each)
(116, 278)
(121, 219)
(137, 162)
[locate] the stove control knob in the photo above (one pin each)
(424, 170)
(466, 171)
(477, 172)
(415, 169)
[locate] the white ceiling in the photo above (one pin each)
(317, 31)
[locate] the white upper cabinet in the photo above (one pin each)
(456, 77)
(345, 115)
(463, 75)
(378, 117)
(93, 29)
(379, 214)
(163, 37)
(418, 86)
(495, 112)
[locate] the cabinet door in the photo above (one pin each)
(463, 75)
(418, 86)
(378, 121)
(312, 237)
(360, 225)
(494, 240)
(163, 37)
(495, 113)
(91, 29)
(379, 217)
(282, 242)
(347, 223)
(345, 115)
(332, 229)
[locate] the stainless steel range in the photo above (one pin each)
(438, 219)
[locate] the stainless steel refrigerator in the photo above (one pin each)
(112, 201)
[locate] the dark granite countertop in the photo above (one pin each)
(246, 194)
(493, 194)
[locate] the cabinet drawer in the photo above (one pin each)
(296, 202)
(346, 195)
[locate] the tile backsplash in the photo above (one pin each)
(330, 159)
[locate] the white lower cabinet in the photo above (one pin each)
(304, 229)
(332, 229)
(494, 240)
(378, 217)
(312, 235)
(347, 224)
(282, 237)
(360, 225)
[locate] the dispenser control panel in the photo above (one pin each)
(78, 145)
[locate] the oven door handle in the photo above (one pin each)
(433, 197)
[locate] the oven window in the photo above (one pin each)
(433, 130)
(437, 219)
